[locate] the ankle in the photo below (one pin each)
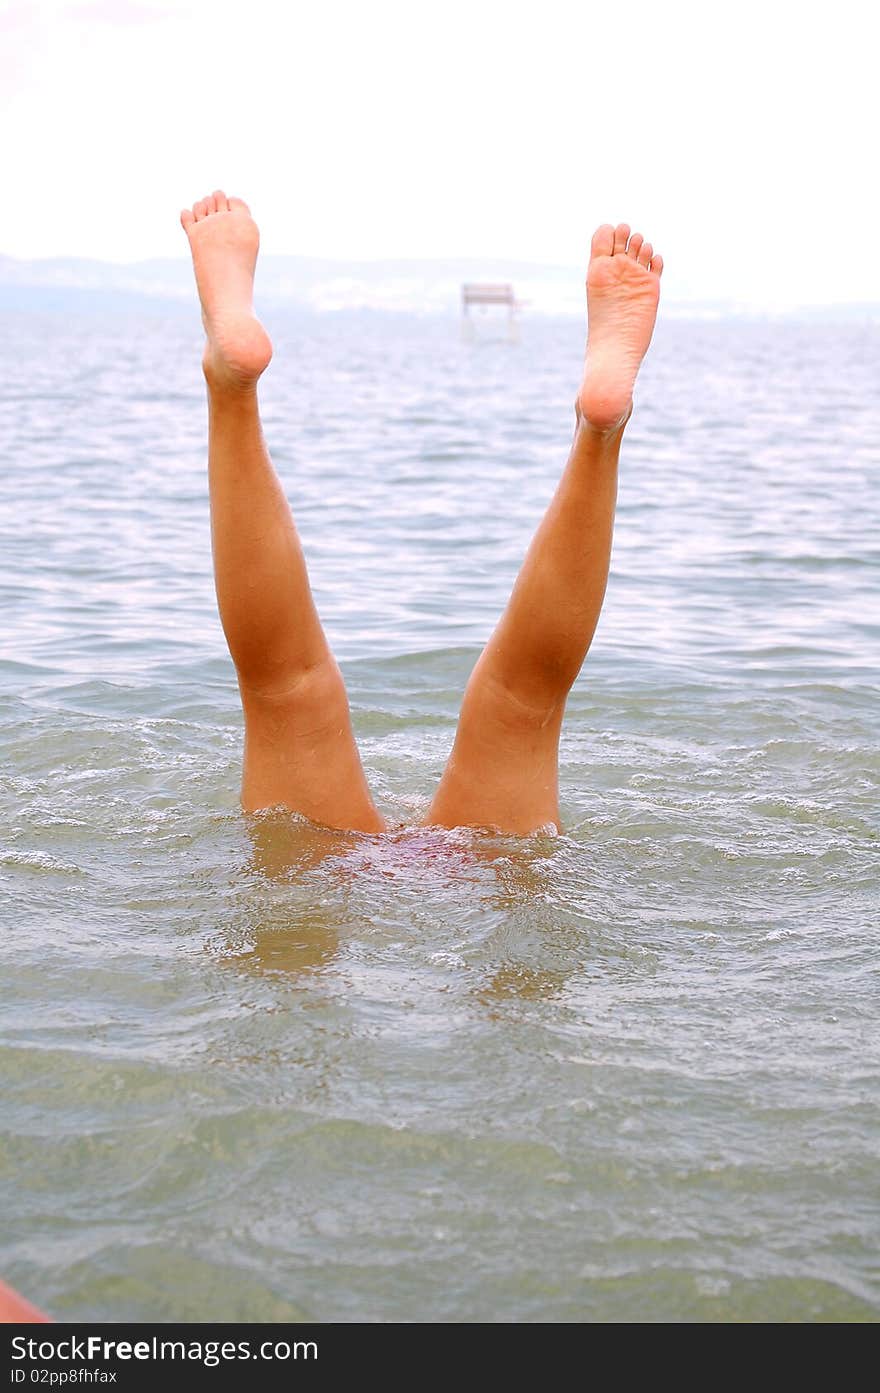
(228, 395)
(586, 430)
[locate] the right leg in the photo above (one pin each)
(299, 746)
(503, 768)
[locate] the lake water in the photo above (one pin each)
(253, 1070)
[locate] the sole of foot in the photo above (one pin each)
(623, 290)
(224, 241)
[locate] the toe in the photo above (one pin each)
(603, 240)
(221, 202)
(200, 210)
(634, 244)
(621, 233)
(187, 218)
(645, 254)
(657, 264)
(211, 205)
(237, 203)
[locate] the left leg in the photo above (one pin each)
(503, 768)
(299, 748)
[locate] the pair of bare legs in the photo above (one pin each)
(300, 750)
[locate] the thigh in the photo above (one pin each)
(502, 771)
(300, 753)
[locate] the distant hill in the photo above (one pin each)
(310, 283)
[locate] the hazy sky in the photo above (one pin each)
(741, 139)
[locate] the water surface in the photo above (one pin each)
(255, 1070)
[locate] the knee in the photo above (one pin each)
(512, 706)
(313, 699)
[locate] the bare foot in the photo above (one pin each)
(224, 240)
(623, 288)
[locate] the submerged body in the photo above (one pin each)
(300, 751)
